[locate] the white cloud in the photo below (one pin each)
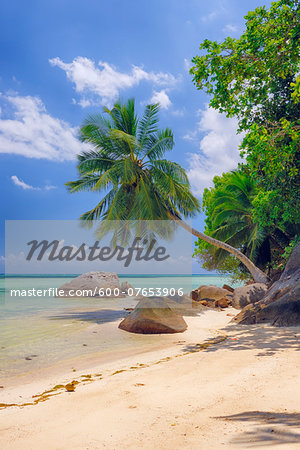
(103, 83)
(32, 132)
(218, 149)
(18, 182)
(22, 184)
(230, 28)
(162, 98)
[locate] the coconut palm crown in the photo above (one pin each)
(128, 164)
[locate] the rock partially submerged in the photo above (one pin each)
(153, 316)
(281, 304)
(88, 285)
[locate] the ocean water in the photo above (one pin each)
(40, 332)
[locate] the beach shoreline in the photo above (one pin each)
(201, 327)
(238, 392)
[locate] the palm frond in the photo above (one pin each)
(127, 141)
(170, 169)
(100, 209)
(93, 162)
(85, 183)
(147, 125)
(123, 117)
(157, 144)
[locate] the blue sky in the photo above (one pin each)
(61, 60)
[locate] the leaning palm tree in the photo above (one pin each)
(127, 164)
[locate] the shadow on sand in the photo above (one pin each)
(265, 339)
(271, 428)
(99, 316)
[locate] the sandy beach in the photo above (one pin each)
(216, 386)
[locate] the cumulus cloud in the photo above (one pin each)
(30, 131)
(162, 98)
(218, 149)
(103, 82)
(18, 182)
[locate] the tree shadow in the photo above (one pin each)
(272, 429)
(100, 316)
(265, 339)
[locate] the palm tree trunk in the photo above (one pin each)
(258, 275)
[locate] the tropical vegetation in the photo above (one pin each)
(127, 164)
(255, 78)
(230, 218)
(252, 213)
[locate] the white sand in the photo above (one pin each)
(241, 393)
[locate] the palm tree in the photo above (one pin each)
(231, 220)
(127, 162)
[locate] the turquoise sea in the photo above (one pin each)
(40, 332)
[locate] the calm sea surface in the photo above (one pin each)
(37, 332)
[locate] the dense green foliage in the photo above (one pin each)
(243, 74)
(256, 79)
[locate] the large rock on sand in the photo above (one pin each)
(281, 304)
(244, 295)
(212, 296)
(153, 316)
(210, 293)
(88, 285)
